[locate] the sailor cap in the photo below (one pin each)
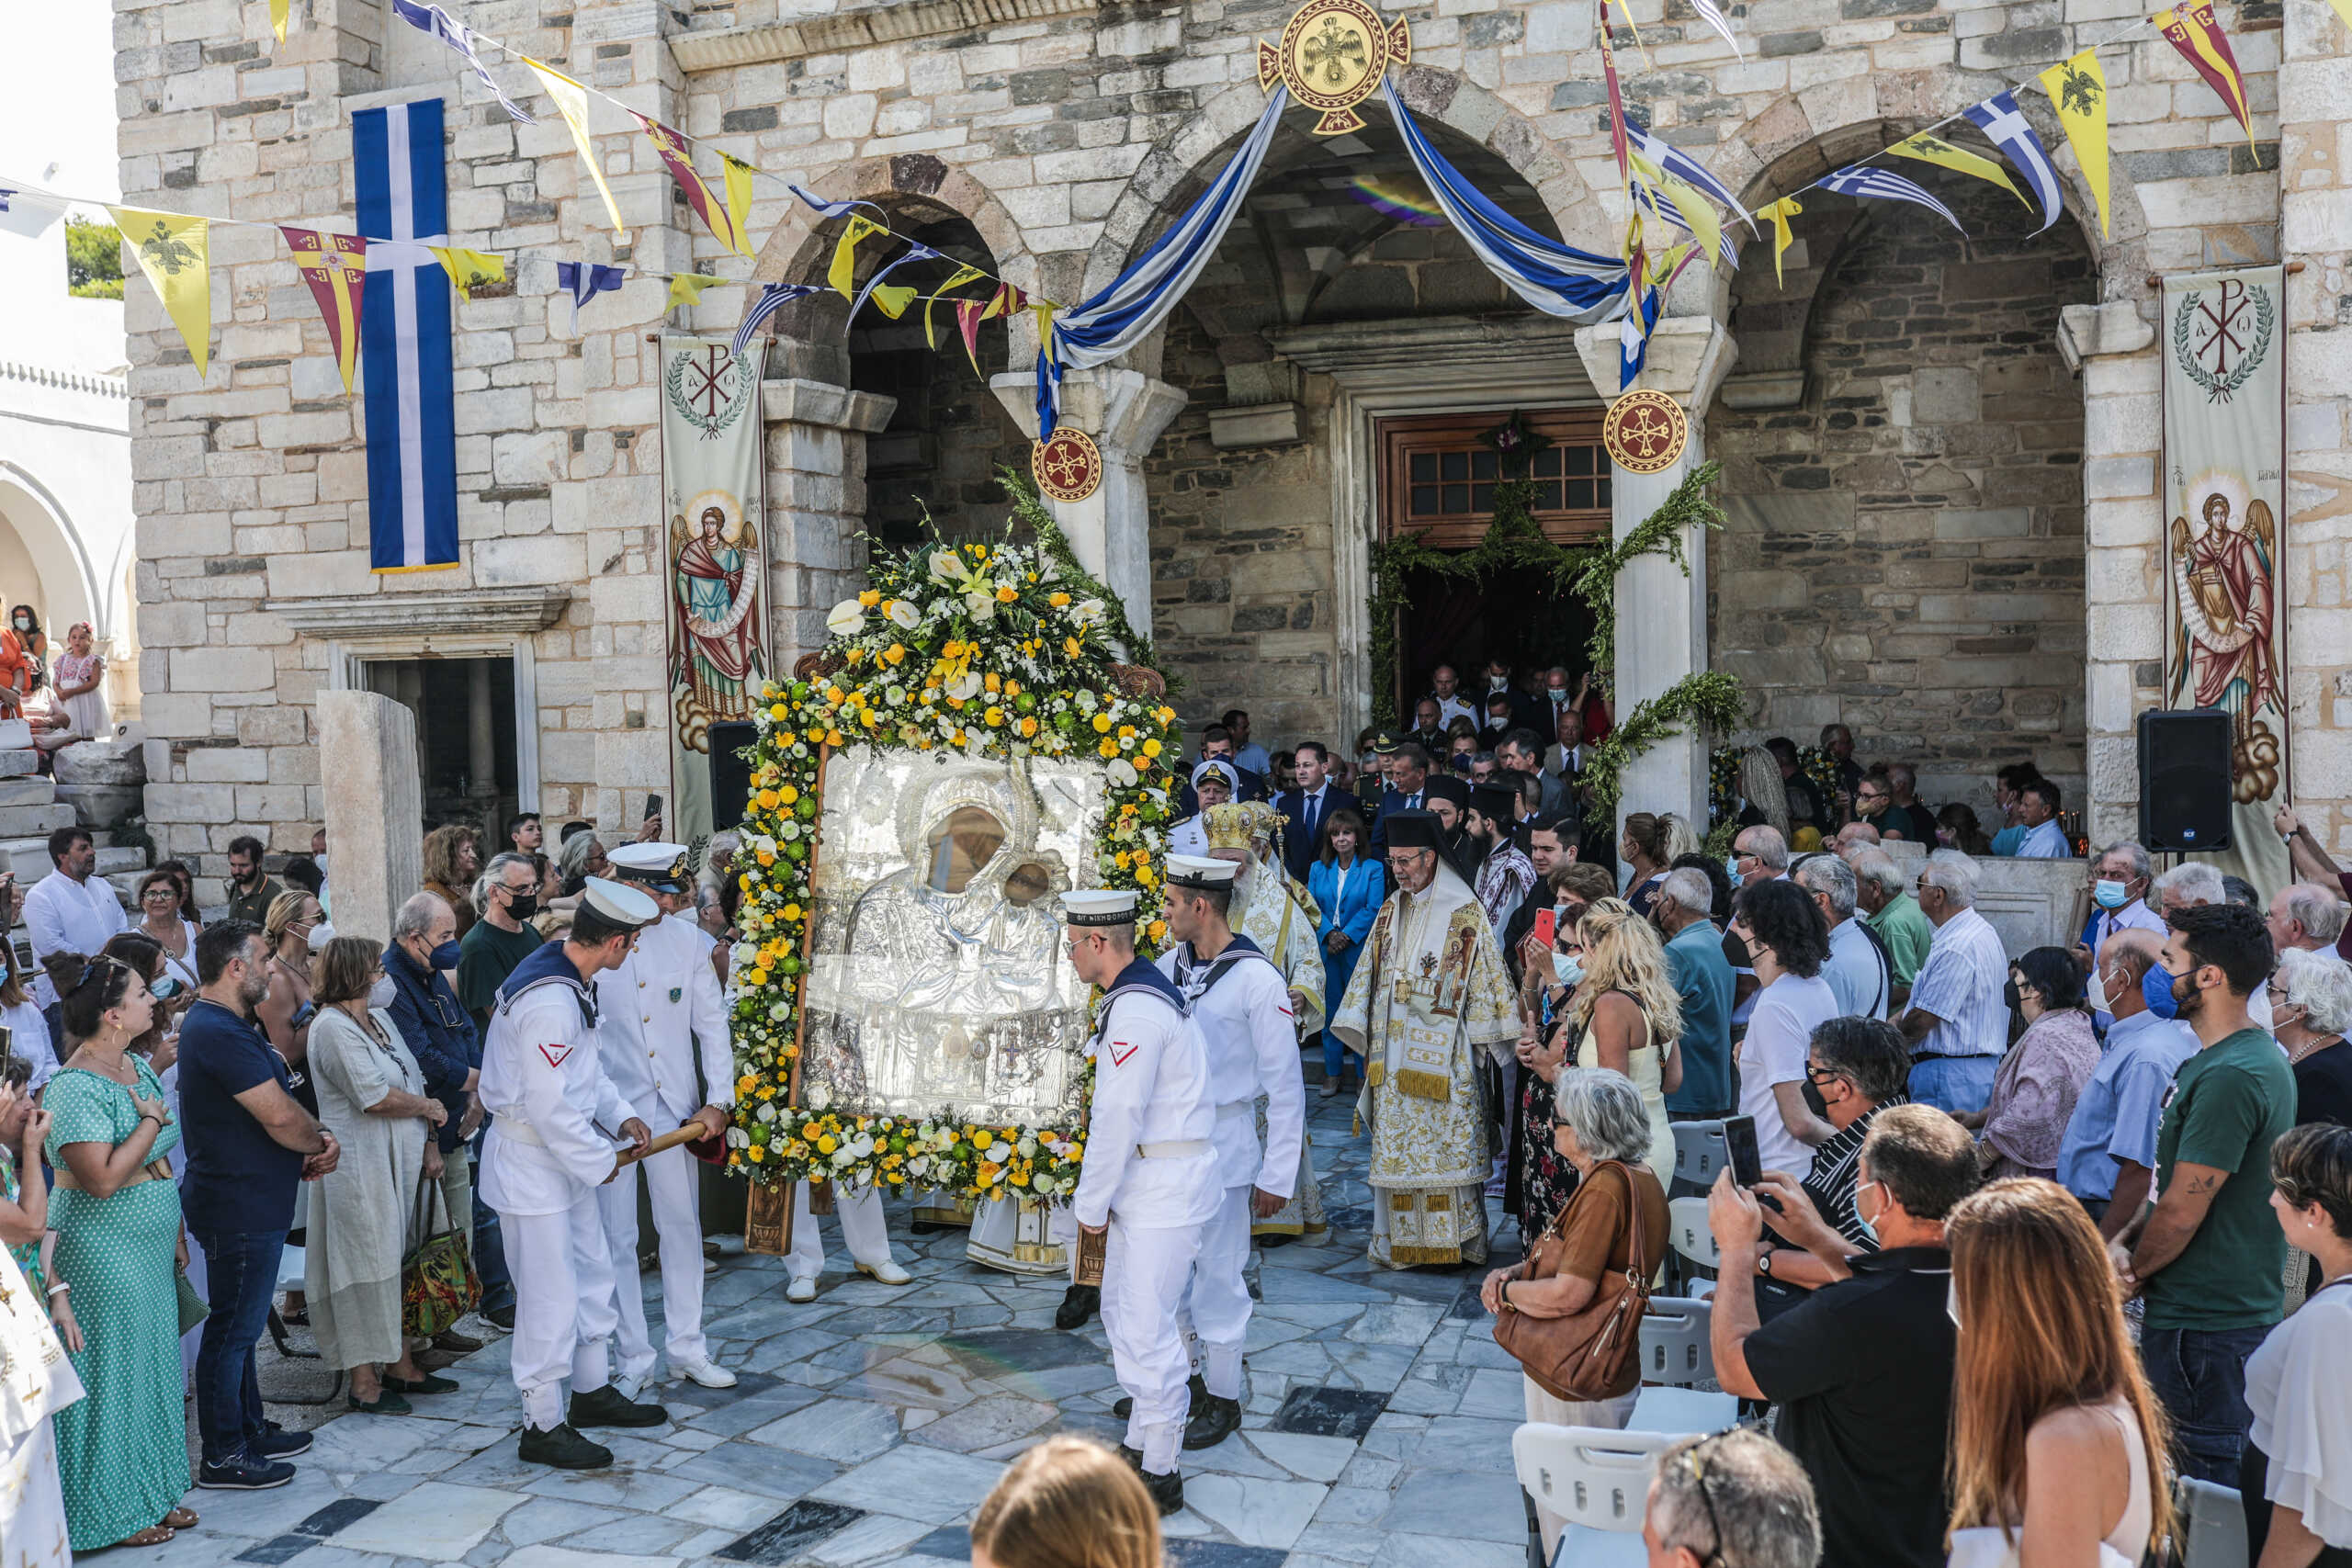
(1199, 871)
(1100, 907)
(618, 904)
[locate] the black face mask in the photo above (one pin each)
(522, 906)
(1813, 1100)
(2009, 995)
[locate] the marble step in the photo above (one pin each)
(29, 858)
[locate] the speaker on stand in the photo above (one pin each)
(730, 775)
(2184, 780)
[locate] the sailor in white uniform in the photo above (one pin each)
(1241, 1004)
(659, 1013)
(558, 1125)
(1150, 1174)
(864, 1232)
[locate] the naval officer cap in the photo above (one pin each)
(1100, 907)
(1412, 830)
(1200, 871)
(656, 865)
(619, 905)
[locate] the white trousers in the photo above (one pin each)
(563, 1304)
(1143, 1278)
(1215, 1314)
(864, 1230)
(671, 1178)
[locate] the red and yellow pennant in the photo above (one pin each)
(335, 267)
(2192, 30)
(720, 218)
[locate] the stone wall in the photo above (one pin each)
(1904, 552)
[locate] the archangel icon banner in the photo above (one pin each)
(714, 578)
(2225, 338)
(938, 984)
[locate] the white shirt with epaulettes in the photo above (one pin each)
(1251, 1036)
(1151, 1097)
(655, 1012)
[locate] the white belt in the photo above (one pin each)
(1180, 1148)
(516, 1132)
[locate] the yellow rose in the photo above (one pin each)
(895, 653)
(1059, 600)
(778, 714)
(870, 598)
(1151, 747)
(833, 738)
(869, 717)
(758, 976)
(992, 681)
(792, 911)
(828, 1144)
(1070, 646)
(995, 715)
(788, 792)
(983, 1140)
(768, 800)
(1028, 727)
(1007, 594)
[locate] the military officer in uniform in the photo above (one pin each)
(659, 1013)
(558, 1130)
(1240, 1004)
(1150, 1177)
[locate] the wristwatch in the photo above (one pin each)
(1764, 1262)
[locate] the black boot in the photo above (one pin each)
(609, 1406)
(564, 1449)
(1213, 1421)
(1079, 1304)
(1167, 1491)
(1196, 1391)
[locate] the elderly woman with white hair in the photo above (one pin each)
(2311, 1007)
(1616, 1219)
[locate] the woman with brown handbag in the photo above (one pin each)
(1572, 1312)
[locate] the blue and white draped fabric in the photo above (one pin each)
(1139, 298)
(833, 209)
(916, 251)
(6, 192)
(1869, 180)
(1690, 170)
(584, 281)
(1633, 338)
(1999, 118)
(773, 298)
(457, 35)
(1557, 280)
(1664, 205)
(405, 338)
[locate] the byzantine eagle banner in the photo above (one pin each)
(2225, 338)
(716, 561)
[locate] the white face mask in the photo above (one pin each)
(380, 994)
(1868, 1229)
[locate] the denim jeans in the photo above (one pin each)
(2199, 1375)
(490, 1253)
(1954, 1083)
(241, 1279)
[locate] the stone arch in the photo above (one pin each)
(68, 579)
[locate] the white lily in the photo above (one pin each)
(905, 614)
(948, 566)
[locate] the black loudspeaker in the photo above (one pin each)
(2184, 779)
(730, 775)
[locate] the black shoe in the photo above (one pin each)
(564, 1449)
(277, 1442)
(429, 1383)
(1079, 1304)
(1276, 1238)
(244, 1473)
(1213, 1421)
(1167, 1491)
(503, 1317)
(1195, 1392)
(609, 1406)
(450, 1339)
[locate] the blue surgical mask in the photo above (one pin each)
(2108, 895)
(1867, 1228)
(1731, 869)
(1571, 970)
(446, 956)
(2157, 991)
(165, 988)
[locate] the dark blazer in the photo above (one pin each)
(1390, 800)
(1299, 834)
(438, 1031)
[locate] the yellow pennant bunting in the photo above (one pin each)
(571, 102)
(1043, 310)
(739, 198)
(2078, 90)
(892, 299)
(1934, 150)
(278, 15)
(175, 252)
(1698, 213)
(842, 274)
(686, 288)
(964, 275)
(469, 270)
(1780, 212)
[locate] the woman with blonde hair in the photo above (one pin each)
(2056, 1441)
(1627, 1016)
(1682, 839)
(1067, 1503)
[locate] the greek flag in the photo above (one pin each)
(1690, 172)
(1633, 338)
(1999, 118)
(584, 281)
(774, 297)
(1673, 214)
(915, 252)
(1867, 180)
(457, 35)
(404, 339)
(830, 208)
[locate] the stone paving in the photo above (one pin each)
(869, 1424)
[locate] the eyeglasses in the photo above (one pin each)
(1697, 1466)
(1820, 1074)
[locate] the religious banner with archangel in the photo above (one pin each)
(714, 558)
(2224, 339)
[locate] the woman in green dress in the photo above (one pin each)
(24, 1195)
(122, 1450)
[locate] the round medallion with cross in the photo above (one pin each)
(1332, 57)
(1644, 432)
(1068, 466)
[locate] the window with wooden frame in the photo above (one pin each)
(1438, 476)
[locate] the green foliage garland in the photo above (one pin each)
(1712, 699)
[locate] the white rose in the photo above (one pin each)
(845, 618)
(820, 1097)
(842, 1159)
(905, 614)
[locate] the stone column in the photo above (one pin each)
(1661, 614)
(374, 816)
(816, 504)
(1110, 531)
(482, 737)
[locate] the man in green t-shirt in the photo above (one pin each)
(1883, 890)
(503, 938)
(2206, 1256)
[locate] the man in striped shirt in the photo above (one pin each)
(1855, 1067)
(1957, 1023)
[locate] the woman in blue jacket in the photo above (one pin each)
(1349, 887)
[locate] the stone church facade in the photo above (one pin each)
(1939, 453)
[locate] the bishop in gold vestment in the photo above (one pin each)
(1430, 994)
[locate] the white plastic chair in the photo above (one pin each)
(2213, 1524)
(1699, 1151)
(1688, 1231)
(1682, 1412)
(1675, 1349)
(1596, 1479)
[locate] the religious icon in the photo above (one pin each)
(2224, 578)
(1332, 57)
(716, 661)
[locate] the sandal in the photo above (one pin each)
(154, 1535)
(181, 1519)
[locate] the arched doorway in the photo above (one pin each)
(41, 563)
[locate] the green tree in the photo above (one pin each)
(93, 260)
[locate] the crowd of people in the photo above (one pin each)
(62, 698)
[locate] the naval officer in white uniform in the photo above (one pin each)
(1240, 1004)
(1150, 1174)
(658, 1014)
(558, 1130)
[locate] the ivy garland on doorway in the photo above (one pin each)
(1515, 543)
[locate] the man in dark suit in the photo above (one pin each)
(1305, 808)
(1217, 745)
(1408, 778)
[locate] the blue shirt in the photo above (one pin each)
(2045, 842)
(1700, 976)
(2006, 840)
(2117, 1114)
(240, 1179)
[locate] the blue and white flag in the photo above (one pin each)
(405, 338)
(1885, 185)
(1650, 196)
(1714, 17)
(1633, 338)
(774, 297)
(584, 281)
(1999, 118)
(457, 35)
(916, 251)
(1688, 170)
(6, 193)
(832, 208)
